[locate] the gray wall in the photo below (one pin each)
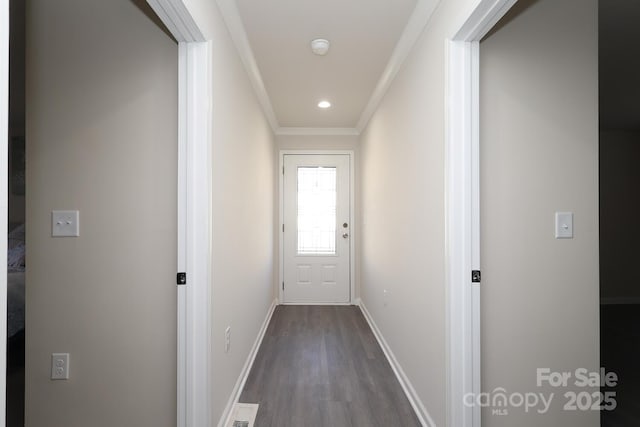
(620, 209)
(539, 154)
(101, 138)
(402, 205)
(244, 185)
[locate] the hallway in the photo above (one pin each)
(166, 125)
(322, 366)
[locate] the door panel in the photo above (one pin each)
(316, 228)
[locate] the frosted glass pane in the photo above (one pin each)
(316, 211)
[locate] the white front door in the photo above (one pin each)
(316, 228)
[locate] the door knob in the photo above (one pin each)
(345, 235)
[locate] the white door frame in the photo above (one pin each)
(4, 198)
(462, 144)
(352, 225)
(194, 213)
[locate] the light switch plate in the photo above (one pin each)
(65, 223)
(564, 225)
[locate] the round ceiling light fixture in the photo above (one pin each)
(320, 46)
(324, 104)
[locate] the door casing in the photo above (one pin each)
(353, 226)
(462, 217)
(194, 381)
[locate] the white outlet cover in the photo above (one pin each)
(243, 412)
(60, 366)
(65, 223)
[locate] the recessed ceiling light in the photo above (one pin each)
(324, 104)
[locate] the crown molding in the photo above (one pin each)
(299, 131)
(415, 26)
(231, 17)
(175, 16)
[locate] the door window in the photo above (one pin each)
(316, 210)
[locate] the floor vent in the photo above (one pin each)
(243, 415)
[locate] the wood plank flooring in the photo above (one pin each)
(322, 366)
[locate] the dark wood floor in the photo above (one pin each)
(322, 366)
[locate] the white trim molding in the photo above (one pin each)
(194, 236)
(176, 17)
(409, 391)
(353, 229)
(416, 25)
(232, 19)
(4, 205)
(194, 382)
(246, 369)
(462, 99)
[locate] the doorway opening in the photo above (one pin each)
(619, 152)
(15, 387)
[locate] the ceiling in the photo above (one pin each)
(369, 39)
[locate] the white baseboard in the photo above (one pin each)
(317, 303)
(416, 403)
(242, 379)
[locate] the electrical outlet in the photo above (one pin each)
(227, 339)
(60, 366)
(65, 223)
